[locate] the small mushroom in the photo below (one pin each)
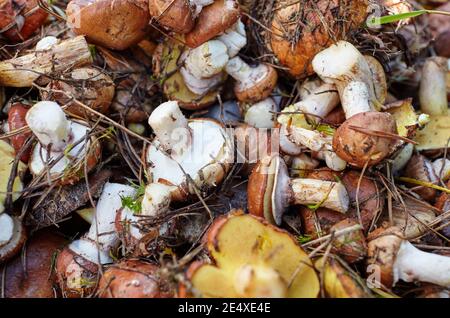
(12, 236)
(271, 191)
(433, 87)
(366, 138)
(262, 114)
(260, 262)
(132, 278)
(116, 24)
(421, 169)
(253, 83)
(397, 259)
(62, 143)
(213, 20)
(351, 246)
(87, 85)
(77, 266)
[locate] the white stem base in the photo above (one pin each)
(320, 102)
(234, 38)
(207, 60)
(157, 199)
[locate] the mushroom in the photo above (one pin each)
(213, 20)
(300, 165)
(367, 138)
(441, 168)
(22, 71)
(62, 143)
(16, 120)
(262, 114)
(253, 83)
(294, 43)
(12, 236)
(116, 24)
(87, 85)
(46, 43)
(398, 259)
(343, 65)
(351, 246)
(19, 19)
(77, 266)
(433, 87)
(271, 191)
(262, 261)
(234, 38)
(32, 275)
(132, 278)
(421, 169)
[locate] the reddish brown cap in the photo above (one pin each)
(420, 168)
(213, 20)
(258, 90)
(351, 246)
(176, 15)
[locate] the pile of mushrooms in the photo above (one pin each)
(224, 148)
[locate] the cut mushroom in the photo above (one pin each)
(22, 71)
(88, 85)
(271, 191)
(398, 260)
(259, 262)
(213, 20)
(343, 65)
(62, 143)
(132, 279)
(366, 138)
(114, 24)
(433, 87)
(262, 114)
(253, 83)
(78, 264)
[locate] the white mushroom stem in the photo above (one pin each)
(402, 158)
(412, 264)
(356, 97)
(6, 229)
(320, 102)
(234, 38)
(433, 87)
(156, 199)
(259, 281)
(46, 43)
(331, 195)
(207, 60)
(49, 124)
(262, 114)
(171, 128)
(200, 86)
(442, 168)
(302, 163)
(242, 72)
(199, 5)
(342, 64)
(286, 145)
(318, 142)
(102, 237)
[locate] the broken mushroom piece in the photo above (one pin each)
(12, 236)
(22, 71)
(271, 191)
(398, 260)
(366, 138)
(19, 19)
(260, 262)
(213, 20)
(132, 278)
(262, 114)
(344, 66)
(77, 266)
(64, 149)
(115, 24)
(433, 87)
(421, 169)
(253, 83)
(87, 85)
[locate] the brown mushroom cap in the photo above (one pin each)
(88, 85)
(359, 148)
(420, 168)
(176, 15)
(213, 20)
(114, 24)
(351, 246)
(257, 90)
(33, 277)
(34, 18)
(13, 247)
(300, 30)
(383, 245)
(132, 279)
(77, 277)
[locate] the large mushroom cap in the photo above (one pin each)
(114, 24)
(383, 245)
(132, 279)
(213, 20)
(360, 140)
